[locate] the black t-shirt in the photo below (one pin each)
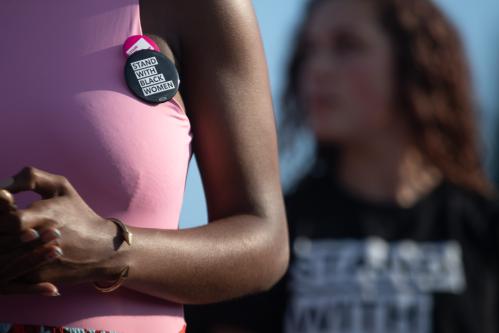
(362, 267)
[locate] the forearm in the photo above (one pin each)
(224, 259)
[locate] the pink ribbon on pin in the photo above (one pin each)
(138, 42)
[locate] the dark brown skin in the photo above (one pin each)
(244, 248)
(17, 257)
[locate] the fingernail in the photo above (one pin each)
(6, 182)
(58, 250)
(53, 293)
(29, 235)
(51, 234)
(55, 252)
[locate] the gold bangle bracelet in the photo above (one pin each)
(127, 236)
(116, 284)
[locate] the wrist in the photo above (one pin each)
(115, 253)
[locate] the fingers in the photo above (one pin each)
(21, 220)
(16, 223)
(23, 257)
(7, 203)
(6, 197)
(12, 241)
(29, 239)
(42, 288)
(37, 252)
(29, 179)
(35, 242)
(46, 184)
(21, 261)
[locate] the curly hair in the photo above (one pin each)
(433, 83)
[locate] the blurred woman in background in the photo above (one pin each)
(394, 228)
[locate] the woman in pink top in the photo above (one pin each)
(79, 147)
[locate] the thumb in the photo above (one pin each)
(7, 201)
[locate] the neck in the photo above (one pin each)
(390, 169)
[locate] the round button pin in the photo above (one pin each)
(151, 76)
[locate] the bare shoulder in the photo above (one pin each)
(171, 19)
(159, 22)
(205, 37)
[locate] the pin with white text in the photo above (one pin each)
(149, 74)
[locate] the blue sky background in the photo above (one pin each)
(478, 22)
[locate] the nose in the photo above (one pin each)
(320, 68)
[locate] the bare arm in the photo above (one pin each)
(244, 248)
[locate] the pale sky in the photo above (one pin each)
(477, 20)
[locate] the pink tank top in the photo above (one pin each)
(65, 108)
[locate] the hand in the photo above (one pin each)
(23, 251)
(86, 238)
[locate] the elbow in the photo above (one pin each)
(275, 262)
(279, 270)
